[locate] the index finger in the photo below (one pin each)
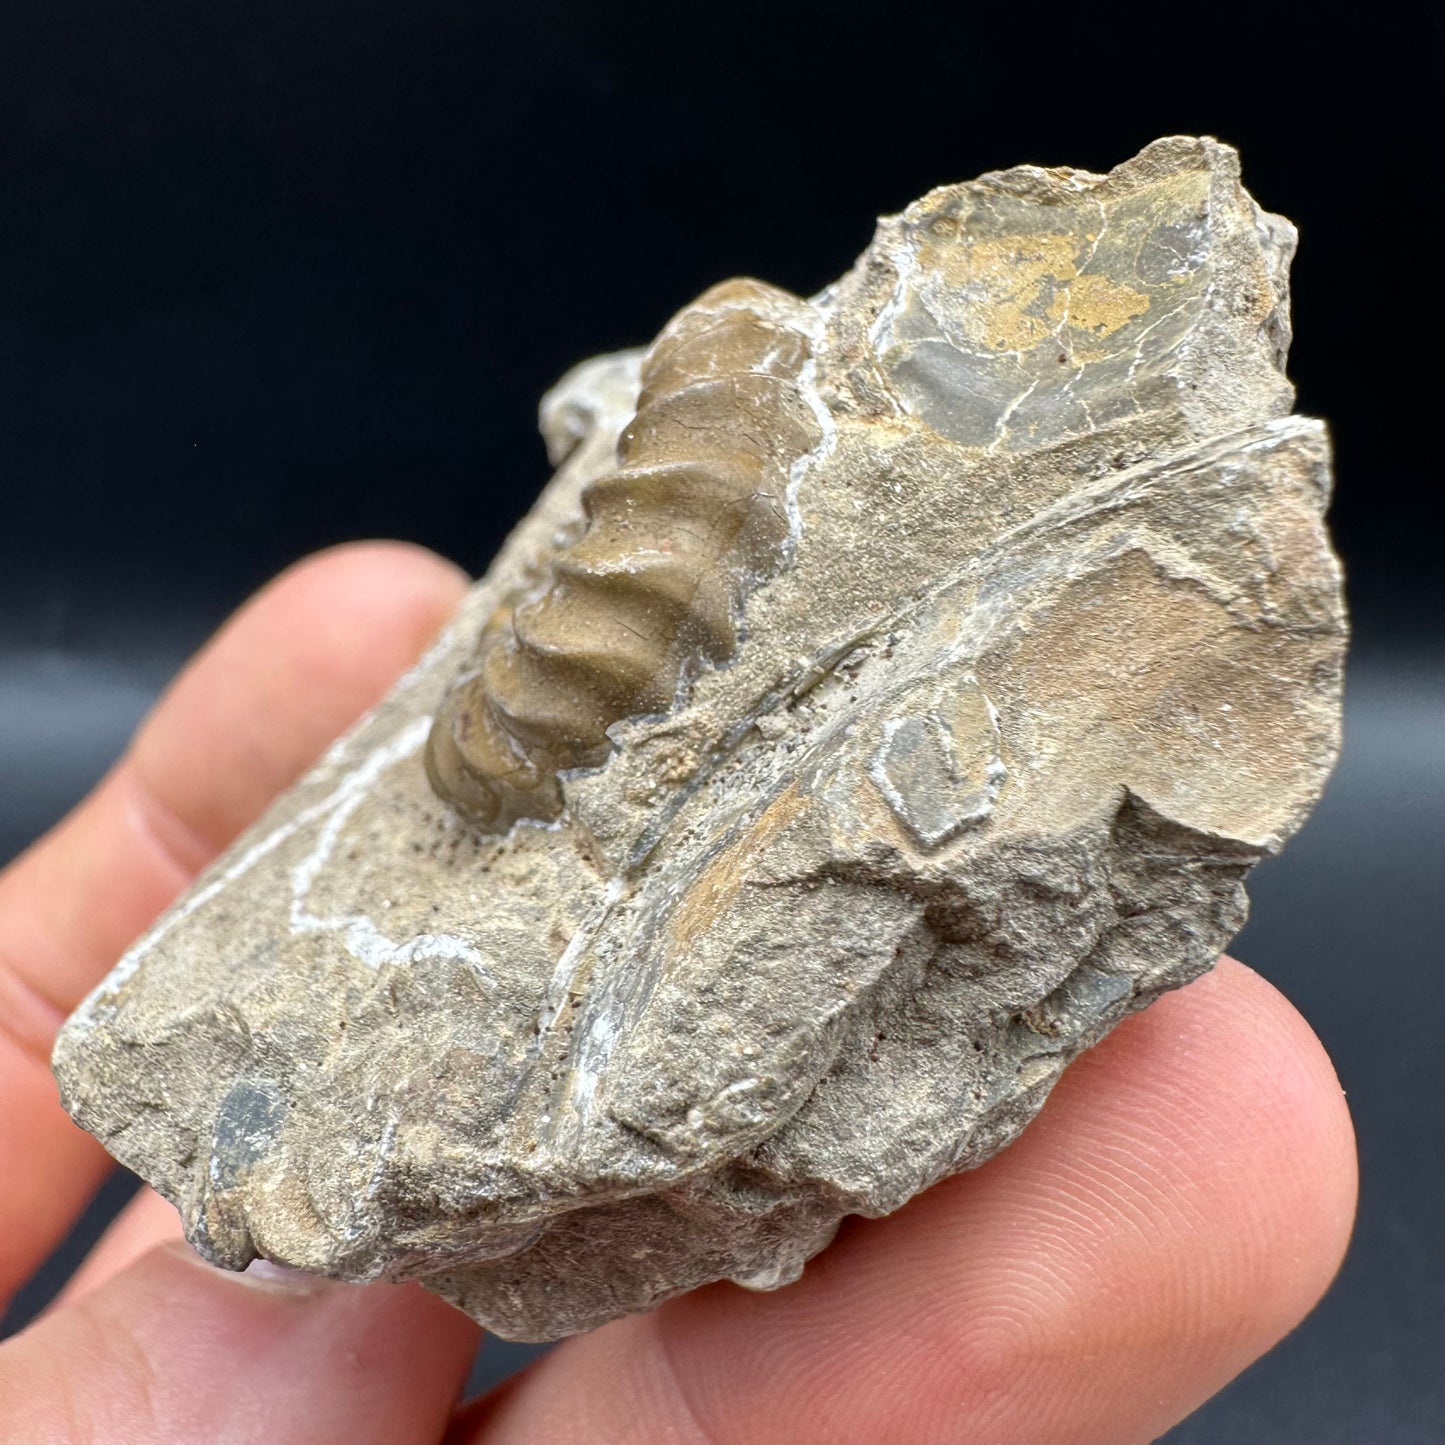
(292, 669)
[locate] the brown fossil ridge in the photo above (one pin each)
(694, 516)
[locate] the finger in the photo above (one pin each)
(289, 672)
(171, 1351)
(1182, 1201)
(146, 1222)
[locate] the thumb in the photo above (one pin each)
(172, 1350)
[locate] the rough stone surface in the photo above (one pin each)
(1045, 655)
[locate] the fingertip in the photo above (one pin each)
(366, 568)
(349, 618)
(294, 667)
(1182, 1203)
(172, 1349)
(1283, 1141)
(145, 1222)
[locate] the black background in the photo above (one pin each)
(277, 275)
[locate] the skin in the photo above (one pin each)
(1181, 1203)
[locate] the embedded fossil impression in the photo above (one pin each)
(888, 694)
(696, 511)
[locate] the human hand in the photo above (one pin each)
(1180, 1204)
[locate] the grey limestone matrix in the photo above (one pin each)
(888, 695)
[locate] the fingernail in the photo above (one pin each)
(262, 1274)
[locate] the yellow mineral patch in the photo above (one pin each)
(1025, 286)
(1009, 278)
(1098, 305)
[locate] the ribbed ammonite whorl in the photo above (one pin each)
(694, 516)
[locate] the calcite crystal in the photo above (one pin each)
(886, 697)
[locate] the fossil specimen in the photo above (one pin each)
(888, 695)
(695, 513)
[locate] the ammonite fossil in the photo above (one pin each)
(889, 693)
(695, 514)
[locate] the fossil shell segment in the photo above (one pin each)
(889, 693)
(695, 514)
